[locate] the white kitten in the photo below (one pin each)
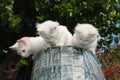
(27, 46)
(85, 36)
(54, 33)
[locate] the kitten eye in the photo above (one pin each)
(23, 50)
(52, 36)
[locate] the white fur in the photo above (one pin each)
(54, 33)
(85, 36)
(32, 46)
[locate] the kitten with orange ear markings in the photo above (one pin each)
(54, 33)
(27, 46)
(85, 36)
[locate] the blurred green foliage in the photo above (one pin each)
(103, 13)
(22, 62)
(18, 17)
(7, 14)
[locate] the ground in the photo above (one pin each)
(9, 69)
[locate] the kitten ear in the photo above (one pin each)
(13, 47)
(53, 29)
(37, 25)
(20, 41)
(78, 30)
(42, 32)
(91, 34)
(77, 27)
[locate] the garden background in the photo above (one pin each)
(18, 19)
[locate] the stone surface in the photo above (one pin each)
(66, 63)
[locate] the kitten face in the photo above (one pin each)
(27, 46)
(50, 35)
(21, 47)
(48, 30)
(85, 36)
(85, 39)
(85, 33)
(23, 50)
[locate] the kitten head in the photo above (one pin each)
(21, 48)
(86, 33)
(47, 30)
